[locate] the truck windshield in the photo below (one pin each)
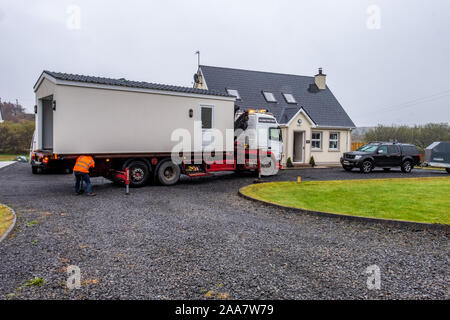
(368, 148)
(275, 134)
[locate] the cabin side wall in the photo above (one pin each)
(93, 120)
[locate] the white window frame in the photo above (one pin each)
(212, 107)
(337, 140)
(238, 97)
(287, 100)
(265, 97)
(313, 140)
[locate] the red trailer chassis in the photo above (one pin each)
(119, 167)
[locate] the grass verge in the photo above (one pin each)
(6, 218)
(11, 157)
(411, 199)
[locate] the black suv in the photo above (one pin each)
(382, 154)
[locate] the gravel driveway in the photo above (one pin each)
(200, 239)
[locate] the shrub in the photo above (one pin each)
(289, 163)
(312, 162)
(15, 137)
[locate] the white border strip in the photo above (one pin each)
(9, 163)
(3, 237)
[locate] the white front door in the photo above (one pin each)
(299, 146)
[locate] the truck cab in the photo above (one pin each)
(263, 133)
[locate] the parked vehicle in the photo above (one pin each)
(385, 155)
(20, 159)
(437, 155)
(136, 126)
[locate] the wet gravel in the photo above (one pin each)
(199, 239)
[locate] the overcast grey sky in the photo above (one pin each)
(391, 67)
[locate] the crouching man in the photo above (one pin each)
(81, 171)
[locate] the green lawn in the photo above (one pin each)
(413, 199)
(6, 218)
(10, 157)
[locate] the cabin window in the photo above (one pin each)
(207, 117)
(316, 140)
(334, 140)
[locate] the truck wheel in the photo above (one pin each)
(406, 166)
(168, 173)
(447, 169)
(139, 174)
(347, 168)
(366, 167)
(34, 170)
(268, 166)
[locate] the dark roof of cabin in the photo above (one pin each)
(132, 84)
(321, 105)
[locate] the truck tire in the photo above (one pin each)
(168, 173)
(34, 170)
(406, 166)
(139, 174)
(366, 166)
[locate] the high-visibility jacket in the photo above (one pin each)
(83, 164)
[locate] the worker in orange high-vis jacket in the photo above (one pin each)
(81, 171)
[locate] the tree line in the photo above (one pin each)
(420, 135)
(17, 129)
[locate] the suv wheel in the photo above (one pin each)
(406, 166)
(366, 166)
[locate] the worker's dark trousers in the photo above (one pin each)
(81, 176)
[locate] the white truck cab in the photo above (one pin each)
(263, 132)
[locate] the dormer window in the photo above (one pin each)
(269, 96)
(289, 98)
(234, 92)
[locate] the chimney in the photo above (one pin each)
(320, 80)
(199, 82)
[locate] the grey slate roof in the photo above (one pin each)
(321, 106)
(132, 84)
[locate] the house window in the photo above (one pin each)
(316, 140)
(289, 98)
(207, 117)
(269, 96)
(334, 140)
(234, 92)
